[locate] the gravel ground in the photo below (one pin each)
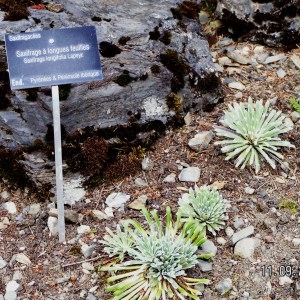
(45, 269)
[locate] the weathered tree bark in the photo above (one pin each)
(156, 66)
(274, 23)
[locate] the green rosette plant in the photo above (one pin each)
(154, 266)
(204, 207)
(251, 134)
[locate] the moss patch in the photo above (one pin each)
(88, 157)
(144, 76)
(155, 69)
(31, 95)
(240, 27)
(11, 169)
(207, 82)
(4, 85)
(166, 37)
(64, 91)
(177, 66)
(108, 49)
(155, 34)
(288, 204)
(174, 102)
(123, 40)
(4, 103)
(124, 79)
(177, 84)
(16, 9)
(174, 63)
(134, 117)
(125, 165)
(188, 9)
(101, 154)
(96, 19)
(94, 153)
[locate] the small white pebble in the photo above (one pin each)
(285, 280)
(296, 241)
(221, 241)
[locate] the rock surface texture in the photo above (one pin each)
(274, 23)
(156, 66)
(145, 56)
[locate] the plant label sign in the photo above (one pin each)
(53, 57)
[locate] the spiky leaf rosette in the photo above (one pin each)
(117, 244)
(154, 267)
(206, 206)
(251, 134)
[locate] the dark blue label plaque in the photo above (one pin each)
(53, 57)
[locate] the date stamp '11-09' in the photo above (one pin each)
(280, 271)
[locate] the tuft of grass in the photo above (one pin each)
(289, 205)
(295, 103)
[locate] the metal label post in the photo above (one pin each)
(58, 164)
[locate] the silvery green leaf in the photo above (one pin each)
(256, 161)
(243, 156)
(235, 152)
(237, 142)
(228, 134)
(249, 158)
(282, 144)
(234, 146)
(266, 157)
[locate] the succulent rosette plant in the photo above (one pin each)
(205, 206)
(154, 266)
(251, 134)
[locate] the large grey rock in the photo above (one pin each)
(21, 258)
(87, 250)
(116, 200)
(274, 23)
(12, 286)
(224, 286)
(190, 174)
(209, 247)
(201, 140)
(241, 234)
(245, 248)
(154, 68)
(10, 296)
